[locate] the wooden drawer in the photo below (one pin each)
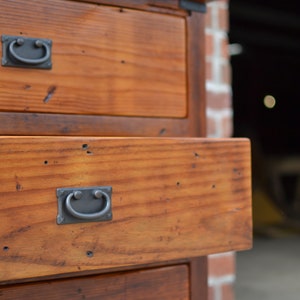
(172, 198)
(134, 68)
(166, 283)
(106, 61)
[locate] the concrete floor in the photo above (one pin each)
(270, 271)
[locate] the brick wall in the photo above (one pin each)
(218, 75)
(221, 267)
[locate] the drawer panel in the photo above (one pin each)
(106, 60)
(172, 198)
(164, 283)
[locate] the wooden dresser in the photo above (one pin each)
(109, 189)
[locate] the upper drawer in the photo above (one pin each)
(171, 198)
(105, 60)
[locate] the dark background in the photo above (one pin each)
(269, 32)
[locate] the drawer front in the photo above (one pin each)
(105, 60)
(167, 283)
(171, 199)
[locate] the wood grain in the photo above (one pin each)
(172, 198)
(167, 283)
(159, 6)
(83, 125)
(165, 6)
(106, 60)
(27, 123)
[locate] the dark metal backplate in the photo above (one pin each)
(87, 204)
(27, 50)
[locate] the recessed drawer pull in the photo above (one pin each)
(84, 204)
(88, 216)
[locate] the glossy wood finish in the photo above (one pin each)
(172, 198)
(106, 61)
(12, 123)
(163, 6)
(150, 178)
(158, 6)
(167, 283)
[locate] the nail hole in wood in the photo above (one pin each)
(89, 253)
(162, 131)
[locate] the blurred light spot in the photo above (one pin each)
(269, 101)
(235, 49)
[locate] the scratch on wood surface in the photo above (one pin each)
(18, 184)
(50, 92)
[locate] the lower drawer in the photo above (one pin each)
(171, 199)
(167, 283)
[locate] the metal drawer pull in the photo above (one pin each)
(88, 216)
(30, 61)
(84, 204)
(26, 52)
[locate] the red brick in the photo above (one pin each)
(224, 47)
(218, 100)
(223, 19)
(221, 265)
(208, 71)
(227, 292)
(227, 127)
(211, 293)
(226, 73)
(209, 45)
(208, 17)
(211, 126)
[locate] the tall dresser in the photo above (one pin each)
(109, 188)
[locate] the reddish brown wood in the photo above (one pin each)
(193, 125)
(196, 74)
(167, 283)
(198, 278)
(172, 198)
(69, 125)
(159, 6)
(106, 61)
(173, 6)
(179, 282)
